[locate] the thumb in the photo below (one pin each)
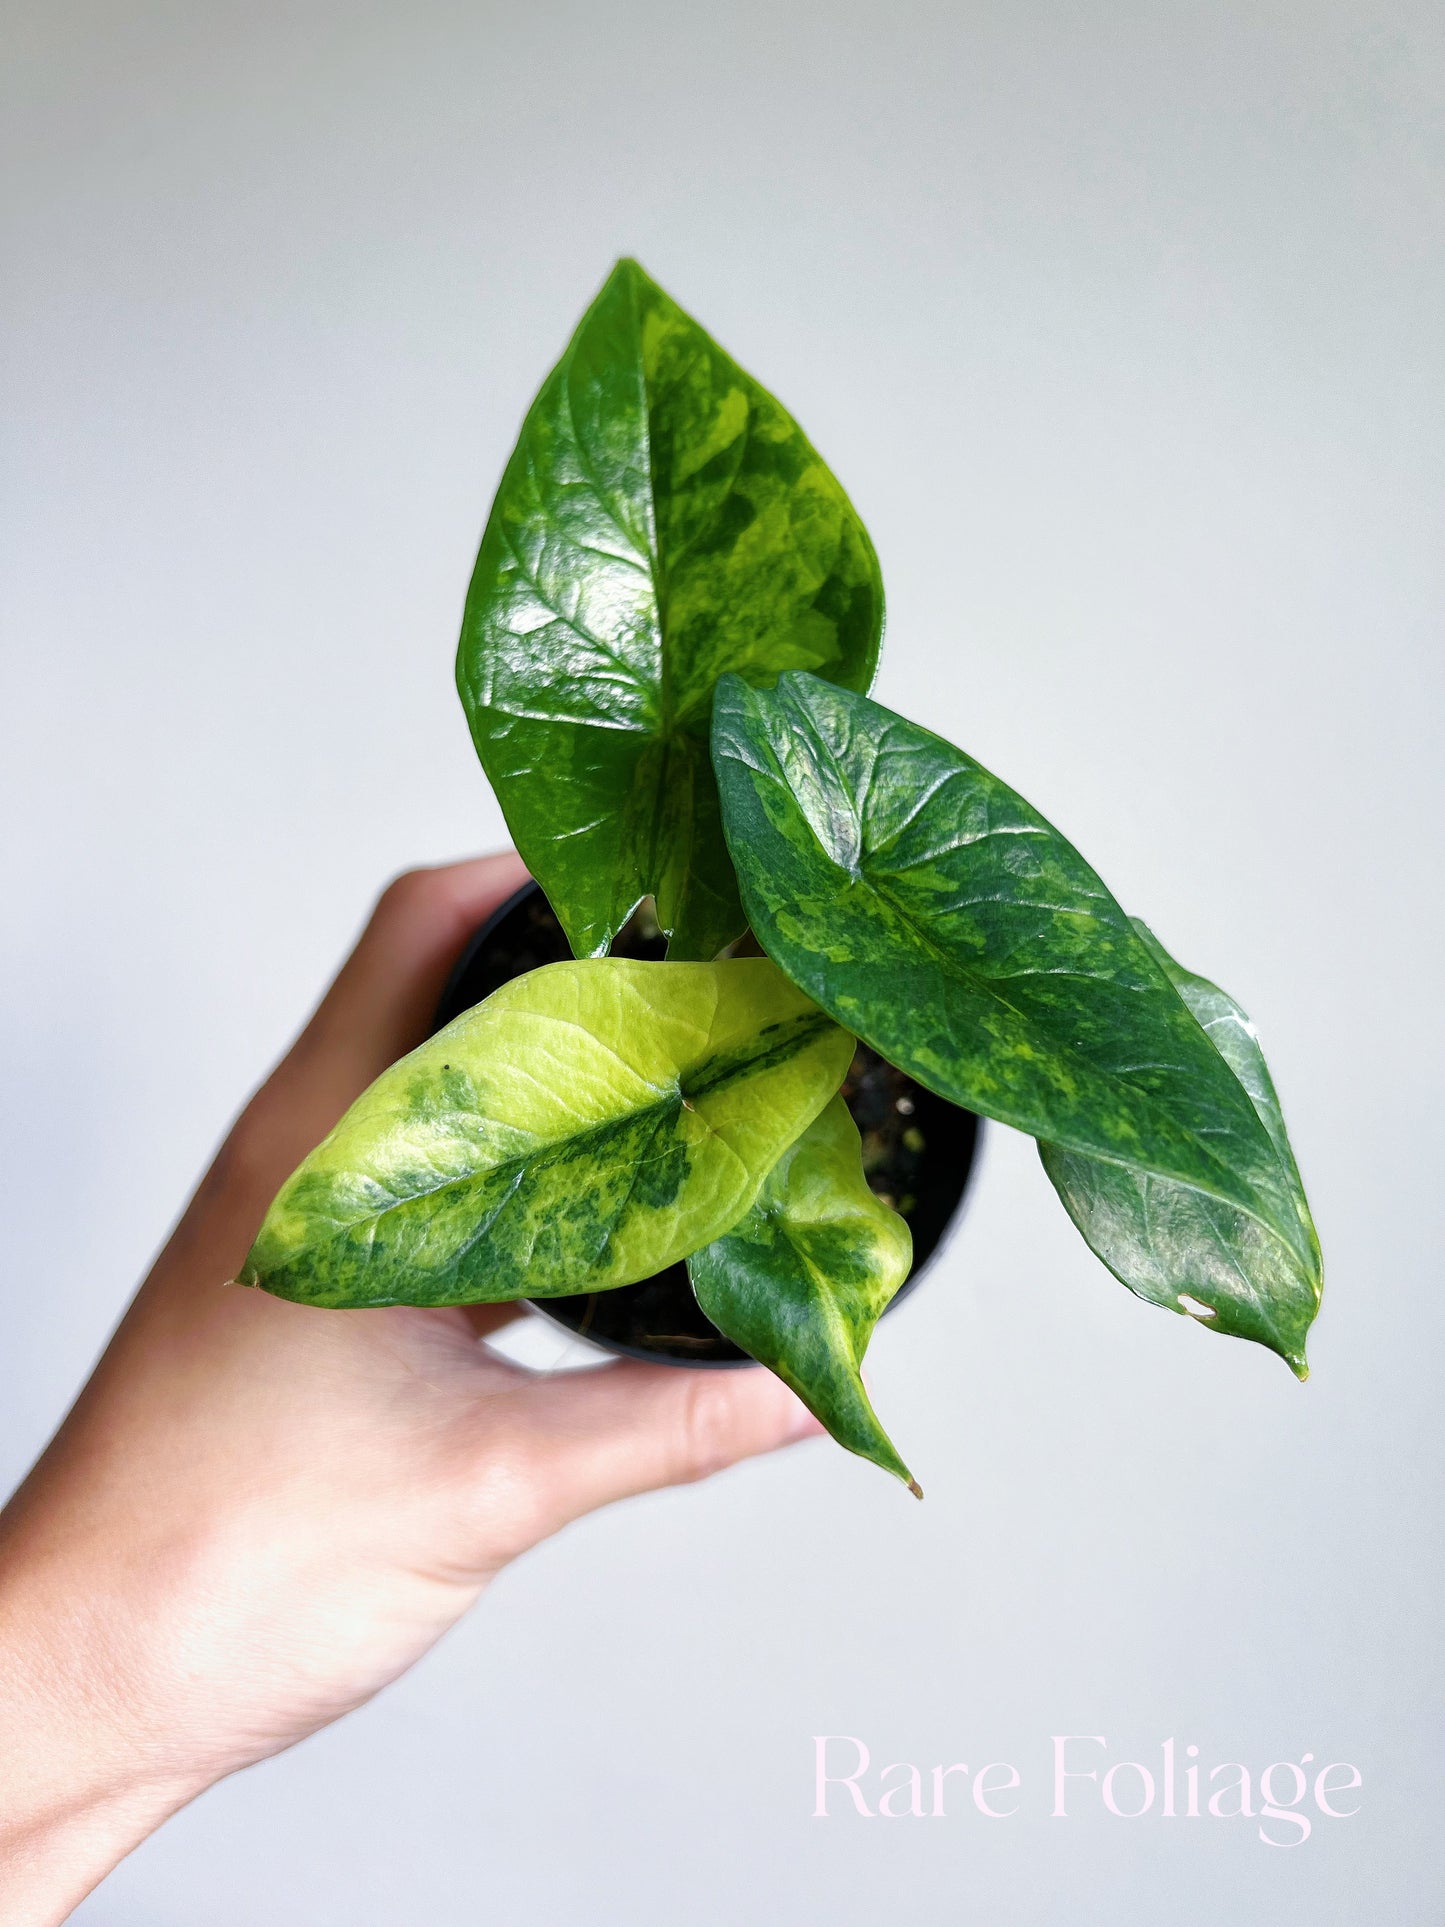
(604, 1434)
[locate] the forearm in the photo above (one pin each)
(52, 1853)
(79, 1784)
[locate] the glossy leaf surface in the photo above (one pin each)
(585, 1126)
(662, 519)
(931, 910)
(1179, 1247)
(803, 1279)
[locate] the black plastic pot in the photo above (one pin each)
(919, 1150)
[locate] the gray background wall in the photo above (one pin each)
(1122, 324)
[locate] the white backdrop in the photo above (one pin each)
(1122, 325)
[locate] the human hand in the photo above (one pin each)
(259, 1513)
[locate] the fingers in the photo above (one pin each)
(600, 1435)
(382, 1001)
(379, 1007)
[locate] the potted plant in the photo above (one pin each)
(917, 1148)
(673, 623)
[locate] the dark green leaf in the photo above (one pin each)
(1177, 1246)
(929, 909)
(661, 520)
(587, 1125)
(803, 1279)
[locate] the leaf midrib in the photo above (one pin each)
(736, 1068)
(663, 732)
(971, 980)
(863, 876)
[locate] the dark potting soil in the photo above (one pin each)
(918, 1150)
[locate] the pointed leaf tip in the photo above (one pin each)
(871, 852)
(648, 457)
(801, 1281)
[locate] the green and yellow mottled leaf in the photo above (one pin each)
(802, 1280)
(585, 1126)
(1181, 1248)
(662, 519)
(928, 908)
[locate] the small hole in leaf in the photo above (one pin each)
(1193, 1306)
